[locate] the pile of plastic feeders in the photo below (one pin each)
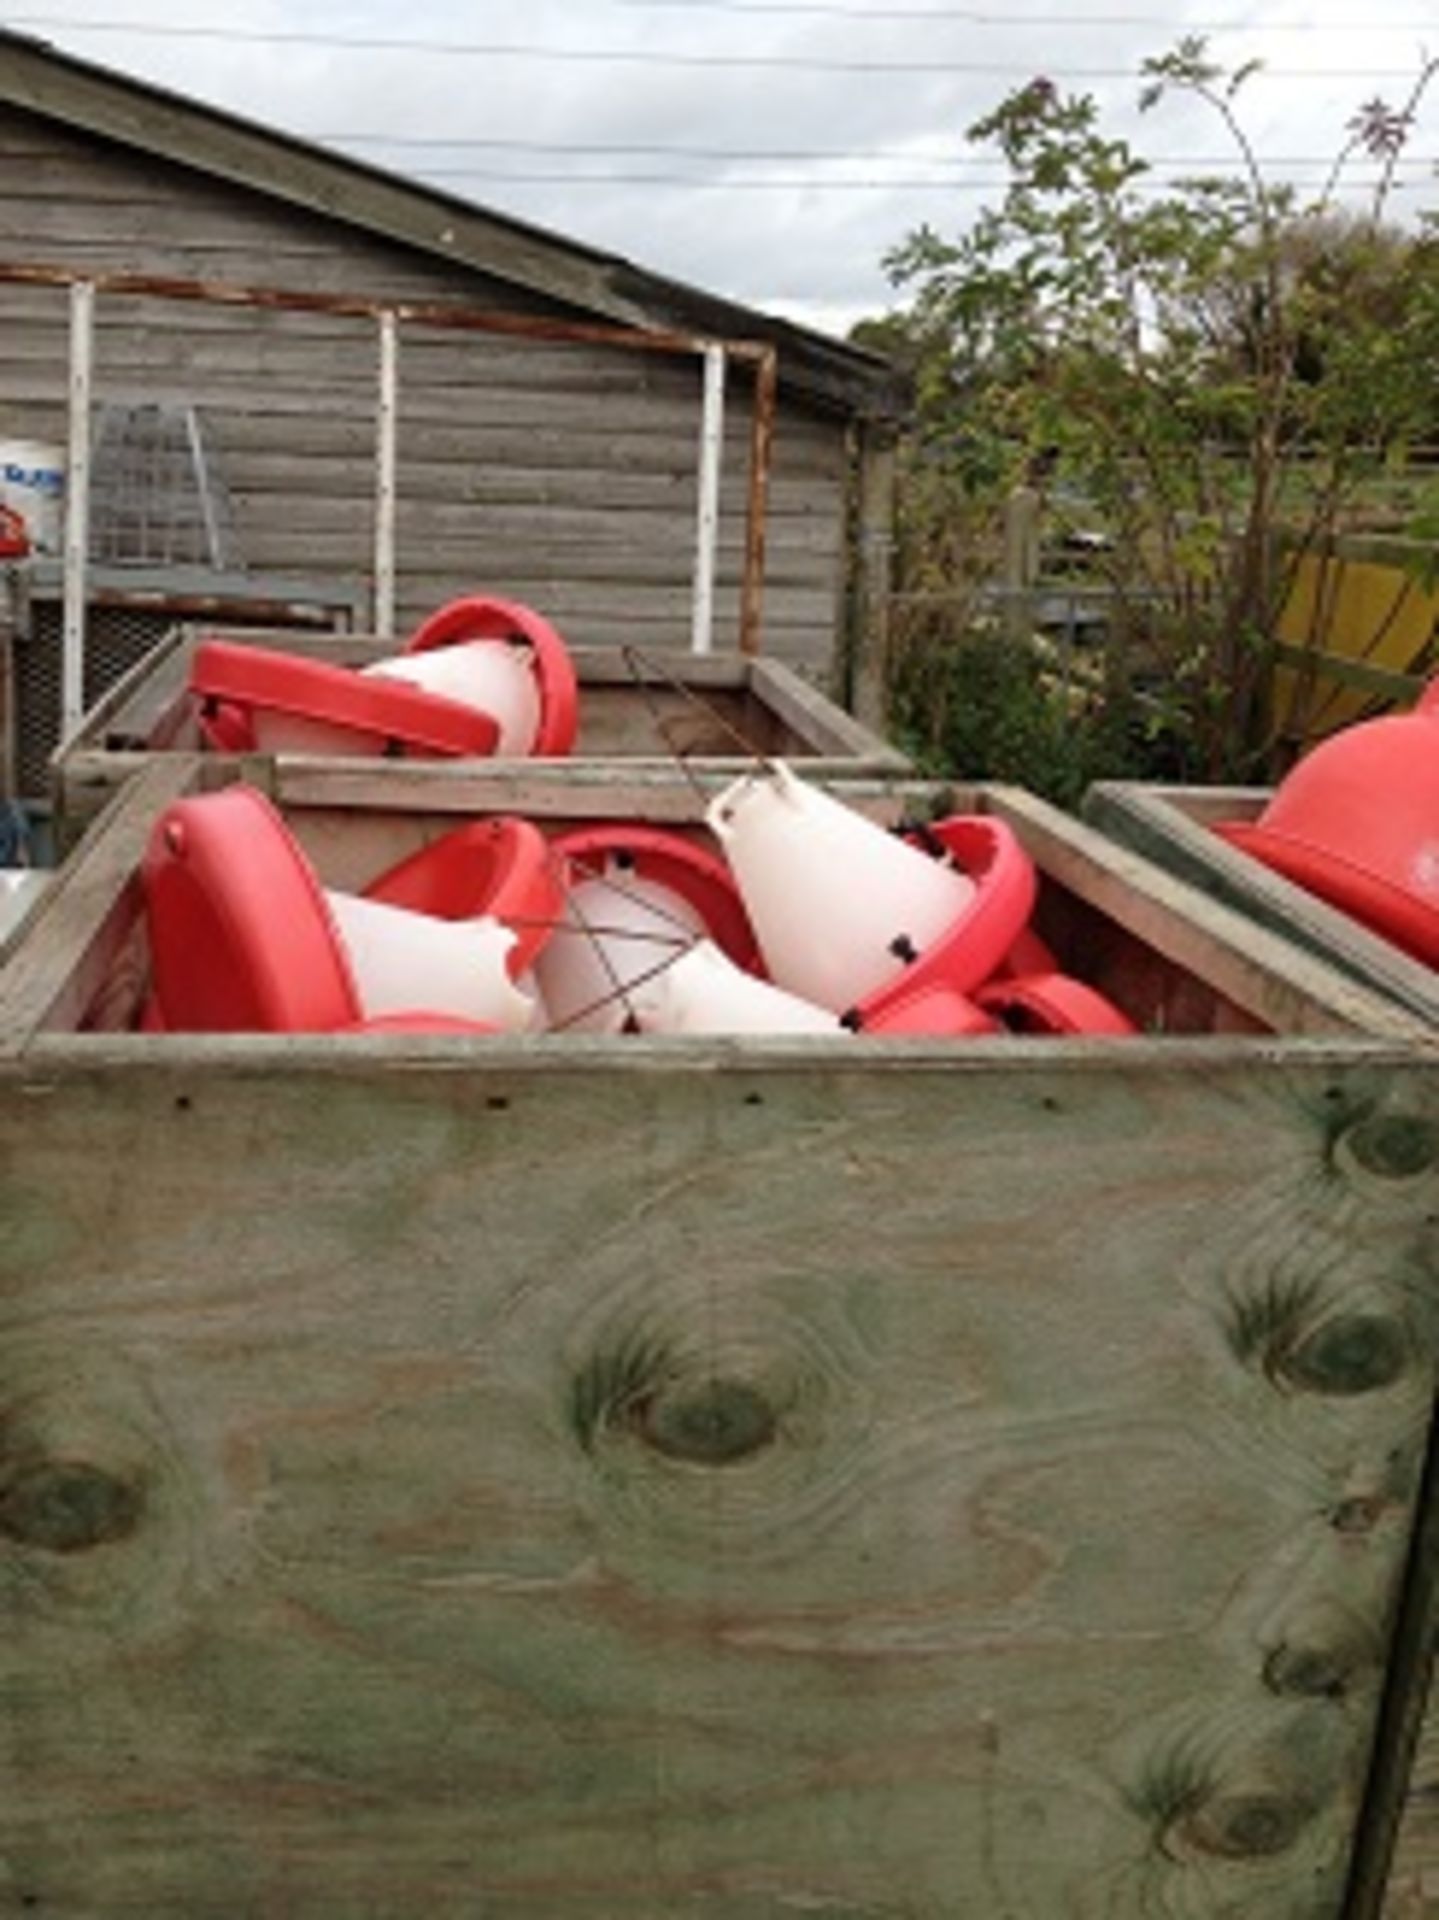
(1357, 823)
(811, 920)
(482, 676)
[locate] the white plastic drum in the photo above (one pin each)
(32, 484)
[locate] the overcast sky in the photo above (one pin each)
(767, 151)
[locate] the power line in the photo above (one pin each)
(630, 56)
(961, 16)
(493, 143)
(709, 183)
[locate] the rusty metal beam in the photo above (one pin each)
(352, 307)
(761, 444)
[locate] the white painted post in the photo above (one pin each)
(386, 459)
(707, 533)
(77, 508)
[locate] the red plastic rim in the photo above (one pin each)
(417, 1023)
(1411, 923)
(241, 939)
(504, 867)
(479, 616)
(940, 1011)
(975, 946)
(405, 719)
(1052, 1003)
(697, 876)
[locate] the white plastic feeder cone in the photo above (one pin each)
(617, 928)
(277, 732)
(493, 676)
(539, 1019)
(705, 992)
(836, 902)
(403, 962)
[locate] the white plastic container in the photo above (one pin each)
(32, 484)
(493, 676)
(277, 732)
(705, 992)
(835, 901)
(618, 928)
(405, 962)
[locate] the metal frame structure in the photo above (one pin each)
(389, 317)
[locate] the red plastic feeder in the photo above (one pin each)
(636, 899)
(483, 617)
(1357, 823)
(226, 728)
(974, 947)
(1052, 1003)
(503, 867)
(690, 871)
(241, 940)
(385, 716)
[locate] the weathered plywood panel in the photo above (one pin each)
(410, 1508)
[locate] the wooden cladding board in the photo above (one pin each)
(566, 475)
(663, 707)
(1172, 826)
(609, 1477)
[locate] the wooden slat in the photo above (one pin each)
(817, 717)
(86, 915)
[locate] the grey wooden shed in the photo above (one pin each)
(564, 474)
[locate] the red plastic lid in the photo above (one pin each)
(503, 867)
(225, 727)
(480, 616)
(974, 947)
(937, 1010)
(696, 875)
(1380, 905)
(405, 718)
(1052, 1003)
(417, 1023)
(241, 940)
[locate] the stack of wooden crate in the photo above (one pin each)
(613, 1476)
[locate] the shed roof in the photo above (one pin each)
(40, 78)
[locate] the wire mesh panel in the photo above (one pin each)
(117, 636)
(156, 495)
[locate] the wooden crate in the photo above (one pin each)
(714, 709)
(587, 1476)
(1172, 826)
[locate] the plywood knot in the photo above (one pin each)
(704, 1418)
(1324, 1653)
(67, 1506)
(1389, 1146)
(712, 1423)
(1246, 1826)
(1303, 1341)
